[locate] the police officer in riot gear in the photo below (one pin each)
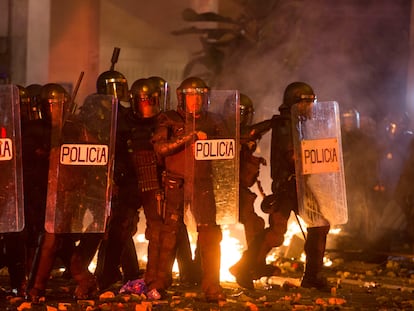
(361, 158)
(149, 97)
(52, 245)
(281, 202)
(173, 140)
(36, 145)
(249, 167)
(146, 106)
(120, 223)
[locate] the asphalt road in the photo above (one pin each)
(355, 285)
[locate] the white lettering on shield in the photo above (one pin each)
(214, 149)
(6, 149)
(74, 154)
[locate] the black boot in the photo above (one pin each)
(252, 265)
(315, 250)
(209, 238)
(167, 252)
(186, 265)
(129, 261)
(16, 260)
(243, 270)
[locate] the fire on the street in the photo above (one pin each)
(232, 247)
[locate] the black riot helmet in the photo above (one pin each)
(33, 91)
(295, 93)
(165, 93)
(145, 98)
(350, 120)
(246, 110)
(396, 123)
(193, 90)
(114, 83)
(51, 95)
(24, 101)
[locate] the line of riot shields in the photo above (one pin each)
(81, 163)
(82, 160)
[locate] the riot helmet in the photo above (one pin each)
(350, 120)
(164, 91)
(145, 98)
(51, 95)
(95, 114)
(193, 96)
(114, 83)
(246, 110)
(396, 124)
(24, 100)
(296, 92)
(33, 91)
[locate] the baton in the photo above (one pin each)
(75, 92)
(114, 59)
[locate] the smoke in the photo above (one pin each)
(353, 52)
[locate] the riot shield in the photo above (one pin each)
(11, 181)
(319, 167)
(212, 166)
(81, 167)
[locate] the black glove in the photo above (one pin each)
(269, 204)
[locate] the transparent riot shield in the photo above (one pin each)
(11, 180)
(212, 165)
(81, 167)
(319, 164)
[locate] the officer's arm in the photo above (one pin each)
(259, 129)
(165, 147)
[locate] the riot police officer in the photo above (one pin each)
(36, 145)
(279, 205)
(124, 214)
(146, 105)
(173, 140)
(50, 244)
(250, 134)
(186, 265)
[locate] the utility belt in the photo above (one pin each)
(171, 181)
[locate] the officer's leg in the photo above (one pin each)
(253, 265)
(87, 285)
(208, 242)
(108, 260)
(65, 251)
(109, 255)
(152, 234)
(88, 246)
(253, 223)
(129, 261)
(153, 206)
(209, 237)
(185, 257)
(16, 259)
(172, 219)
(315, 251)
(47, 255)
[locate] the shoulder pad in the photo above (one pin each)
(170, 116)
